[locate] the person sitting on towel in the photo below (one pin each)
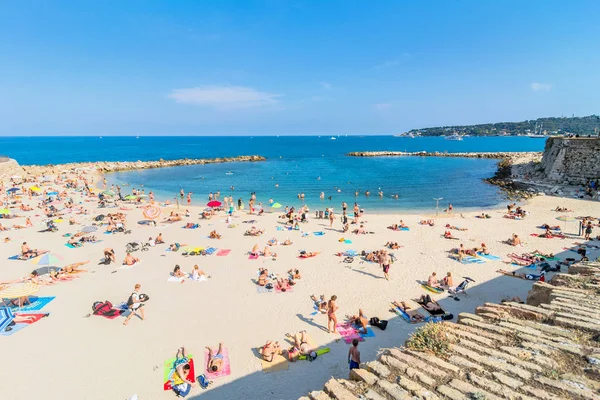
(178, 273)
(182, 385)
(433, 281)
(447, 280)
(215, 360)
(320, 303)
(269, 350)
(301, 346)
(109, 256)
(214, 235)
(130, 260)
(360, 321)
(174, 246)
(263, 277)
(255, 252)
(428, 304)
(159, 239)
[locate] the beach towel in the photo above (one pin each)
(14, 329)
(488, 256)
(37, 303)
(252, 256)
(69, 245)
(319, 352)
(223, 252)
(262, 289)
(404, 229)
(210, 251)
(472, 260)
(369, 333)
(348, 241)
(169, 371)
(403, 314)
(225, 370)
(17, 257)
(348, 332)
(174, 279)
(279, 363)
(21, 325)
(432, 289)
(288, 289)
(318, 233)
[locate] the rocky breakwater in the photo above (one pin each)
(115, 166)
(494, 155)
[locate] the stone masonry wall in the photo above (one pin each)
(571, 160)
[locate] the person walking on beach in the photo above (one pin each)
(134, 303)
(331, 217)
(189, 198)
(588, 230)
(331, 317)
(354, 355)
(385, 264)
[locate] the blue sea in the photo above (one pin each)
(295, 164)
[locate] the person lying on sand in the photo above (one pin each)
(178, 273)
(361, 230)
(174, 246)
(255, 252)
(308, 254)
(74, 268)
(515, 240)
(295, 274)
(272, 242)
(320, 303)
(394, 227)
(263, 277)
(392, 245)
(359, 321)
(287, 242)
(529, 277)
(427, 303)
(181, 384)
(267, 252)
(414, 316)
(283, 284)
(429, 222)
(214, 235)
(73, 241)
(25, 207)
(130, 260)
(554, 227)
(270, 350)
(448, 235)
(254, 232)
(456, 228)
(300, 346)
(109, 255)
(215, 359)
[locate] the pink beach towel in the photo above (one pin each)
(348, 333)
(253, 257)
(223, 252)
(225, 371)
(288, 289)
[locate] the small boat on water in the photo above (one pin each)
(332, 138)
(455, 136)
(228, 173)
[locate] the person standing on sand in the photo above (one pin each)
(189, 198)
(331, 317)
(588, 230)
(331, 217)
(182, 194)
(354, 355)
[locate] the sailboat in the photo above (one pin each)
(454, 136)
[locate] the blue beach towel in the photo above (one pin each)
(37, 303)
(210, 251)
(472, 260)
(15, 258)
(488, 256)
(348, 241)
(402, 314)
(369, 333)
(15, 328)
(405, 229)
(318, 233)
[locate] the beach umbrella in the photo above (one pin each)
(6, 317)
(213, 203)
(15, 177)
(47, 259)
(130, 197)
(52, 193)
(141, 196)
(275, 205)
(4, 211)
(108, 193)
(565, 219)
(35, 189)
(12, 190)
(19, 290)
(151, 212)
(89, 229)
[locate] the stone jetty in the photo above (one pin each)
(546, 349)
(494, 155)
(115, 166)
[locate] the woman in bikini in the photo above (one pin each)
(215, 361)
(331, 317)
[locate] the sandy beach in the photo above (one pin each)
(71, 354)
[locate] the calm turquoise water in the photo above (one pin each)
(295, 164)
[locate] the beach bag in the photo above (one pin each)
(447, 317)
(99, 218)
(130, 300)
(312, 356)
(104, 308)
(378, 323)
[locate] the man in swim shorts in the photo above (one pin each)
(354, 355)
(215, 360)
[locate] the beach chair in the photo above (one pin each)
(462, 288)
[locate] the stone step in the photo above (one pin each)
(523, 329)
(577, 324)
(363, 375)
(566, 346)
(485, 326)
(318, 395)
(507, 380)
(541, 348)
(335, 390)
(377, 368)
(464, 363)
(435, 361)
(586, 394)
(502, 391)
(371, 394)
(527, 307)
(533, 314)
(548, 329)
(502, 355)
(479, 332)
(404, 368)
(392, 390)
(415, 388)
(560, 306)
(417, 363)
(490, 362)
(451, 393)
(471, 336)
(528, 355)
(540, 393)
(466, 315)
(467, 389)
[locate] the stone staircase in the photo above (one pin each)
(548, 349)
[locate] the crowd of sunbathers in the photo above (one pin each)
(282, 284)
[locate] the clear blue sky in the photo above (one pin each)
(296, 67)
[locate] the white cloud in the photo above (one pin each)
(224, 97)
(541, 87)
(387, 64)
(326, 85)
(383, 106)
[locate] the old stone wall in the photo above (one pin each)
(571, 160)
(9, 167)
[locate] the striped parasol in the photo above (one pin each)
(151, 212)
(6, 317)
(89, 229)
(19, 290)
(47, 259)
